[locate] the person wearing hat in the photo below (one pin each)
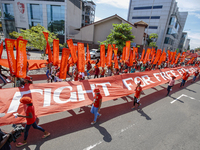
(184, 78)
(138, 91)
(170, 85)
(31, 120)
(96, 105)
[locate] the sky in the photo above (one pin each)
(106, 8)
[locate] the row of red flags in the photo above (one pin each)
(18, 66)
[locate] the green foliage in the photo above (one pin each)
(35, 37)
(151, 41)
(119, 35)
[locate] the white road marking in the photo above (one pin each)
(182, 96)
(92, 146)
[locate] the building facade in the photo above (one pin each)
(163, 18)
(184, 42)
(58, 16)
(88, 9)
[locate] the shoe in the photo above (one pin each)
(93, 122)
(139, 105)
(20, 144)
(45, 135)
(8, 80)
(99, 116)
(132, 108)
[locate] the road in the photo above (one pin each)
(162, 123)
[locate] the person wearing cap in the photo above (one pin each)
(138, 91)
(196, 73)
(171, 84)
(31, 120)
(96, 105)
(96, 71)
(184, 78)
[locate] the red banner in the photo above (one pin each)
(1, 49)
(52, 98)
(81, 57)
(102, 56)
(73, 50)
(21, 58)
(55, 52)
(64, 62)
(10, 54)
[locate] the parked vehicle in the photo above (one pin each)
(94, 53)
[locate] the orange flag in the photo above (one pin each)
(88, 57)
(183, 57)
(21, 62)
(46, 34)
(127, 52)
(161, 58)
(134, 53)
(152, 58)
(102, 55)
(177, 58)
(11, 58)
(48, 48)
(157, 56)
(173, 58)
(55, 52)
(109, 55)
(147, 56)
(169, 56)
(123, 53)
(131, 58)
(64, 62)
(81, 57)
(73, 50)
(191, 60)
(115, 58)
(114, 45)
(142, 56)
(1, 49)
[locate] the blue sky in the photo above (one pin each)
(106, 8)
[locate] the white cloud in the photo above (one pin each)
(195, 14)
(189, 5)
(194, 39)
(124, 4)
(97, 19)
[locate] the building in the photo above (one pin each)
(163, 18)
(187, 44)
(88, 15)
(58, 16)
(98, 31)
(182, 44)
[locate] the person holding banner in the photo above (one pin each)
(89, 66)
(96, 71)
(31, 120)
(96, 105)
(138, 92)
(170, 85)
(184, 78)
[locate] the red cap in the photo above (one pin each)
(26, 100)
(96, 90)
(173, 76)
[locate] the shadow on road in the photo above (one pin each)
(82, 121)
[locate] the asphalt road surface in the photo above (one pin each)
(161, 123)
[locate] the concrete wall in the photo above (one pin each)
(138, 33)
(102, 30)
(85, 34)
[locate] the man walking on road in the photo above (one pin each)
(170, 85)
(138, 92)
(196, 73)
(184, 78)
(96, 105)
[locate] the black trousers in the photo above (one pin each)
(135, 101)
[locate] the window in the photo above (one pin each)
(155, 17)
(35, 11)
(35, 14)
(56, 18)
(168, 41)
(8, 11)
(148, 7)
(153, 27)
(169, 30)
(146, 17)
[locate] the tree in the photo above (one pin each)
(35, 37)
(119, 35)
(151, 41)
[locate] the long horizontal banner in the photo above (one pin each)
(49, 98)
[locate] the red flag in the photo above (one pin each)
(1, 49)
(55, 52)
(147, 56)
(127, 52)
(134, 53)
(177, 58)
(142, 56)
(72, 49)
(114, 45)
(21, 62)
(88, 57)
(157, 56)
(109, 55)
(11, 58)
(123, 53)
(173, 58)
(183, 57)
(81, 57)
(64, 62)
(169, 56)
(115, 59)
(152, 58)
(131, 58)
(46, 35)
(102, 55)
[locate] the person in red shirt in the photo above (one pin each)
(138, 92)
(196, 73)
(31, 120)
(184, 78)
(89, 66)
(96, 105)
(102, 72)
(96, 72)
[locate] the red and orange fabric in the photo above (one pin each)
(64, 62)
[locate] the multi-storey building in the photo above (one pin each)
(58, 16)
(184, 42)
(88, 9)
(163, 18)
